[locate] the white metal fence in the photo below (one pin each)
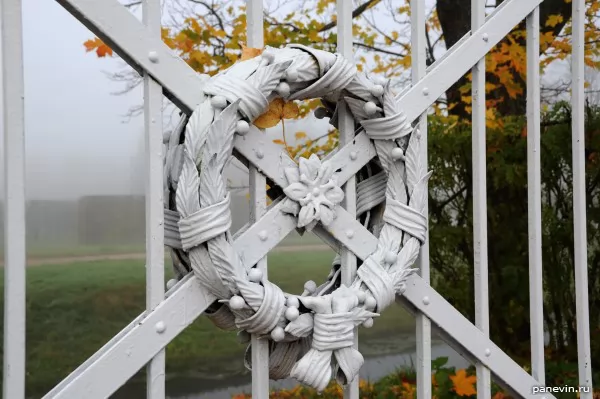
(143, 341)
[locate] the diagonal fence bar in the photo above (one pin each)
(116, 362)
(421, 296)
(251, 248)
(128, 37)
(14, 200)
(463, 56)
(363, 243)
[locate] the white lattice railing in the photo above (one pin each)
(143, 341)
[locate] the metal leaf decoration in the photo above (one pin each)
(406, 257)
(187, 192)
(357, 107)
(360, 87)
(266, 79)
(390, 105)
(418, 200)
(302, 326)
(199, 122)
(413, 162)
(253, 293)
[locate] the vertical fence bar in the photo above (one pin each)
(423, 324)
(14, 201)
(579, 211)
(346, 128)
(480, 240)
(258, 206)
(155, 252)
(534, 197)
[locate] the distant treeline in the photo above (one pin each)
(96, 220)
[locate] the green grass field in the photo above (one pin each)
(37, 251)
(73, 309)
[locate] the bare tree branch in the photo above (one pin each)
(211, 11)
(133, 4)
(357, 12)
(379, 50)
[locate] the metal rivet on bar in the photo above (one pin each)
(425, 91)
(160, 327)
(485, 37)
(153, 56)
(349, 233)
(263, 235)
(426, 300)
(488, 352)
(171, 283)
(260, 154)
(353, 155)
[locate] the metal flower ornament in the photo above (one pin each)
(315, 188)
(311, 333)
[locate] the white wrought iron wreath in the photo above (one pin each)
(312, 334)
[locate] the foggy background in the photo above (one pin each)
(84, 154)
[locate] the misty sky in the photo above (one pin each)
(78, 140)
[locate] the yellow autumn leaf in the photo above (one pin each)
(554, 20)
(300, 135)
(250, 52)
(464, 385)
(278, 111)
(290, 110)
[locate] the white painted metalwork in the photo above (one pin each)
(423, 324)
(155, 253)
(346, 129)
(480, 251)
(579, 207)
(14, 200)
(143, 341)
(534, 200)
(258, 204)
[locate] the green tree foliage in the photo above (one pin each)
(451, 226)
